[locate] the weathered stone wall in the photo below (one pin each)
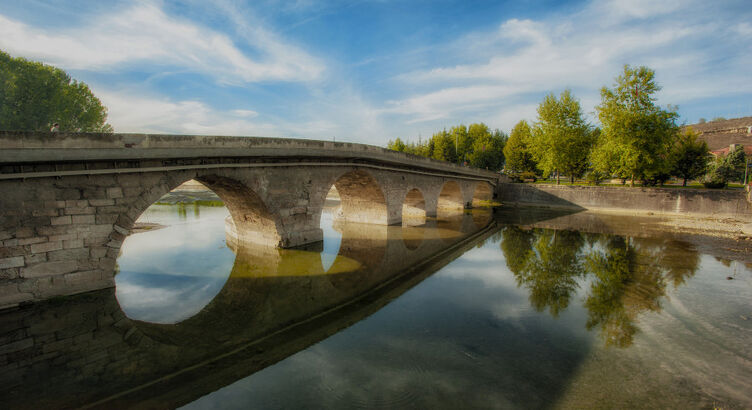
(700, 202)
(62, 235)
(69, 200)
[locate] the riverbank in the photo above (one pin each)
(723, 239)
(723, 214)
(698, 203)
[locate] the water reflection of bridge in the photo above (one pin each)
(275, 303)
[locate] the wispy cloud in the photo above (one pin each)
(145, 34)
(525, 59)
(342, 115)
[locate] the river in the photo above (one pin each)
(507, 309)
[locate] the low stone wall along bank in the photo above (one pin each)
(699, 202)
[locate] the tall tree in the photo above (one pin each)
(517, 149)
(637, 135)
(463, 142)
(561, 138)
(690, 156)
(487, 149)
(443, 147)
(33, 96)
(737, 162)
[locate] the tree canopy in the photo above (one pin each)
(637, 135)
(562, 139)
(476, 145)
(517, 149)
(33, 96)
(690, 156)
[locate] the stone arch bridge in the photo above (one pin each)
(67, 201)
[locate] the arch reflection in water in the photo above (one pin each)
(332, 237)
(274, 303)
(176, 262)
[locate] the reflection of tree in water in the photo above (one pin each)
(547, 263)
(629, 276)
(625, 283)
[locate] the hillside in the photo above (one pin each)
(721, 134)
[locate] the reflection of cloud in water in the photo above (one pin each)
(443, 344)
(170, 274)
(172, 300)
(332, 238)
(497, 287)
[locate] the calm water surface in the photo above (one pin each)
(515, 310)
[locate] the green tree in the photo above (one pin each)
(443, 147)
(518, 157)
(562, 139)
(725, 169)
(718, 174)
(396, 145)
(690, 156)
(737, 162)
(462, 141)
(637, 135)
(487, 150)
(33, 96)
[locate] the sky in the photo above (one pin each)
(372, 70)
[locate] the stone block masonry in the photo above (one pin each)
(69, 202)
(696, 202)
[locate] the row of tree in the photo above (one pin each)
(637, 140)
(34, 96)
(476, 145)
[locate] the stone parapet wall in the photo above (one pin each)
(19, 148)
(699, 202)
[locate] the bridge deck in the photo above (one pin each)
(25, 148)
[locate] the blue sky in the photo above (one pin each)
(370, 71)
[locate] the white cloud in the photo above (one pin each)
(245, 113)
(144, 33)
(343, 115)
(131, 112)
(525, 59)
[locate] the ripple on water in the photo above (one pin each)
(700, 335)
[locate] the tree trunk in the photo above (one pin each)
(571, 180)
(557, 177)
(685, 182)
(632, 182)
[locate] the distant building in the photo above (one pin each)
(724, 151)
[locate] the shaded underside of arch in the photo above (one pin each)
(361, 198)
(450, 197)
(483, 194)
(251, 219)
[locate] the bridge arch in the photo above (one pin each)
(450, 197)
(251, 219)
(482, 194)
(361, 198)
